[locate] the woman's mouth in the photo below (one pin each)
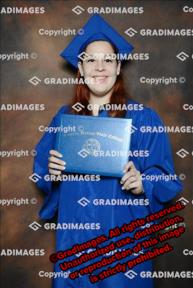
(100, 79)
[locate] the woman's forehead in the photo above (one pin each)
(99, 46)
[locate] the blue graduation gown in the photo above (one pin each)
(63, 197)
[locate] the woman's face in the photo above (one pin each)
(99, 68)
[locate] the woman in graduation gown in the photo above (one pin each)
(143, 194)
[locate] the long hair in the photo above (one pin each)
(118, 97)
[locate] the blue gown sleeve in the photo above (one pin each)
(159, 163)
(40, 167)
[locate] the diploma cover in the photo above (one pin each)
(93, 145)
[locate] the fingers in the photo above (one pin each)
(55, 153)
(56, 160)
(132, 180)
(54, 172)
(56, 166)
(131, 173)
(130, 184)
(129, 165)
(128, 175)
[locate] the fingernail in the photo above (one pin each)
(123, 188)
(121, 182)
(64, 162)
(64, 168)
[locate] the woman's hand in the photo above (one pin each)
(131, 180)
(55, 165)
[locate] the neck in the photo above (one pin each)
(99, 100)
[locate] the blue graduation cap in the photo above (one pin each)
(94, 30)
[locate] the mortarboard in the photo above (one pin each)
(94, 30)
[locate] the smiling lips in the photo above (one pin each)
(100, 79)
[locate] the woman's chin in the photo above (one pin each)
(99, 92)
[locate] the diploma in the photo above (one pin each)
(93, 145)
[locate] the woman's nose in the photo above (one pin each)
(99, 65)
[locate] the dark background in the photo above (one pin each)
(19, 128)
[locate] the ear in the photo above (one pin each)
(118, 67)
(80, 69)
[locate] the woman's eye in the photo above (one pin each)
(108, 60)
(90, 60)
